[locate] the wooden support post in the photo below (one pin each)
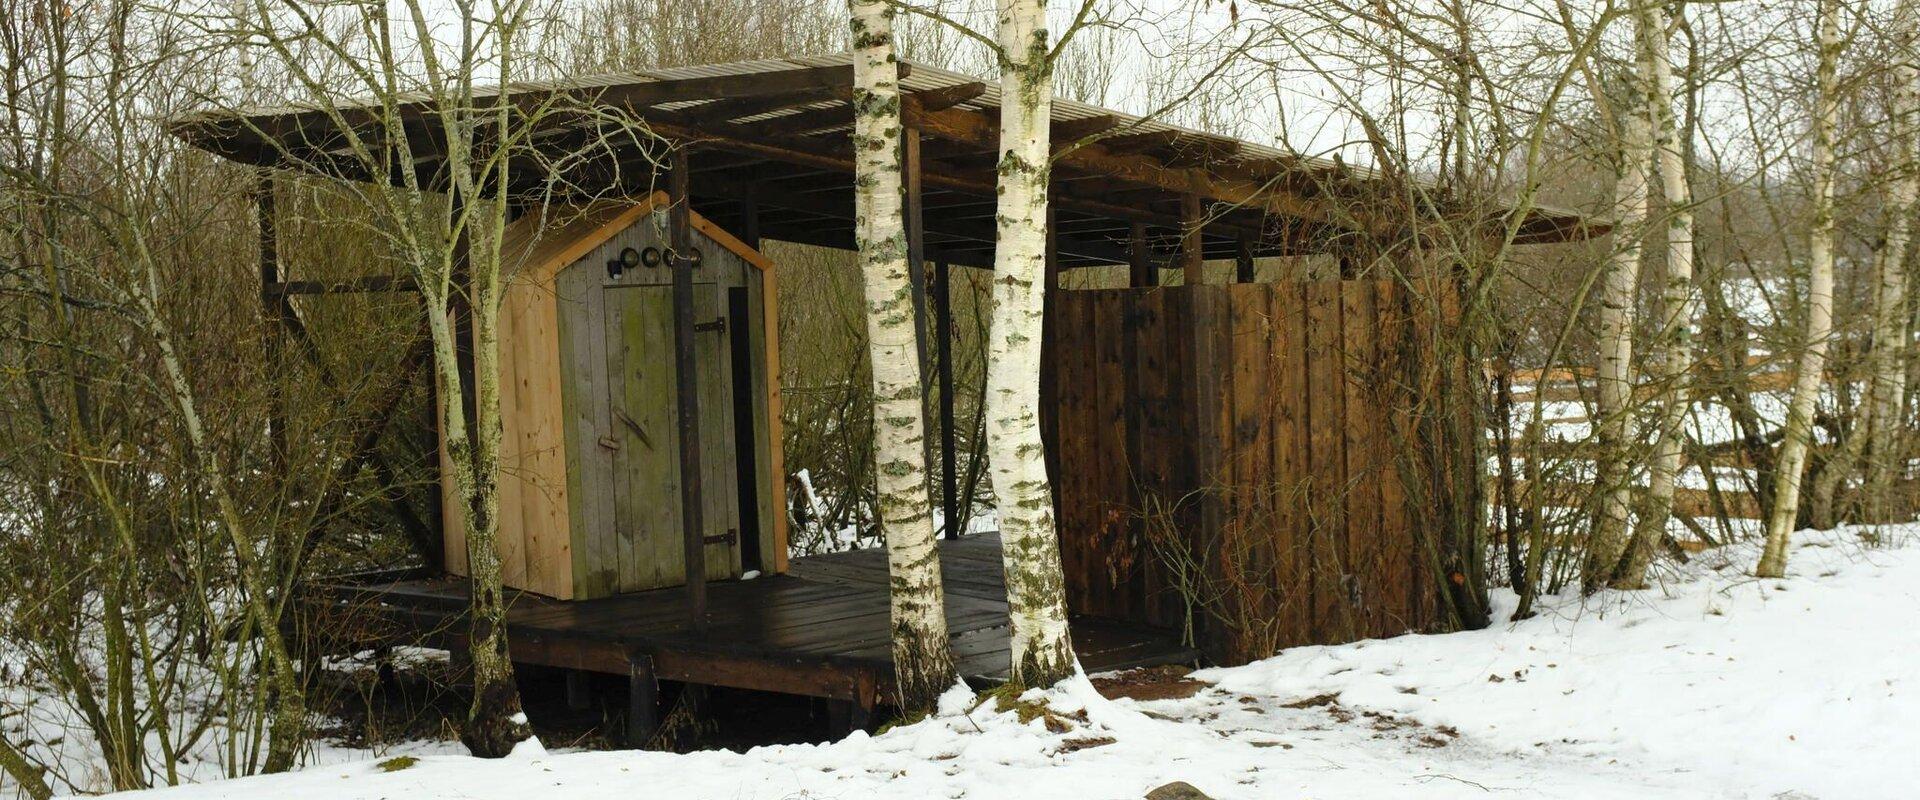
(270, 307)
(1049, 375)
(1141, 270)
(693, 528)
(943, 336)
(1192, 257)
(912, 215)
(692, 703)
(643, 700)
(860, 715)
(1243, 259)
(750, 221)
(579, 689)
(1053, 255)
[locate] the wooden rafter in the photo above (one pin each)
(947, 97)
(1067, 131)
(1139, 142)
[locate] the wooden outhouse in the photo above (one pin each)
(590, 477)
(1302, 434)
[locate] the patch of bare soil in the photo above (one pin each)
(1149, 683)
(1384, 725)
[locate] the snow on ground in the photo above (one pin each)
(1711, 685)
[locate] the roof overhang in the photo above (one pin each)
(773, 136)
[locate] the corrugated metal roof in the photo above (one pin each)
(921, 77)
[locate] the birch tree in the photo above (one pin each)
(419, 87)
(922, 660)
(1614, 407)
(1036, 588)
(1891, 337)
(1798, 430)
(1672, 356)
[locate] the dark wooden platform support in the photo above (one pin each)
(579, 690)
(911, 205)
(949, 460)
(1243, 259)
(272, 324)
(643, 700)
(1280, 460)
(687, 392)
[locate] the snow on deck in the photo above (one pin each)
(1711, 685)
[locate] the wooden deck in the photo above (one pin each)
(821, 630)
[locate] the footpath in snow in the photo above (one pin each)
(1713, 684)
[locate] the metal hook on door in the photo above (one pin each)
(635, 425)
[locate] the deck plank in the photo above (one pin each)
(813, 631)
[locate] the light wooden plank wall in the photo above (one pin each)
(545, 506)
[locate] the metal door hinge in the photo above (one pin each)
(730, 538)
(716, 324)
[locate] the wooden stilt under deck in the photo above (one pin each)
(820, 630)
(643, 700)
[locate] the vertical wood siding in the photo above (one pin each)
(1260, 429)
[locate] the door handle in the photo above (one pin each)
(637, 430)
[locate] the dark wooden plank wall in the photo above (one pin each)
(1239, 445)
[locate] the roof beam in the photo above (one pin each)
(1139, 142)
(946, 97)
(1223, 183)
(941, 230)
(1073, 130)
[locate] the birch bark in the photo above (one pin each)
(496, 723)
(1036, 596)
(1614, 472)
(1891, 337)
(922, 660)
(1673, 344)
(1813, 358)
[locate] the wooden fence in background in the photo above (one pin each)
(1240, 451)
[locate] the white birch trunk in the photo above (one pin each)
(1813, 359)
(1890, 333)
(922, 659)
(495, 721)
(1614, 473)
(1673, 344)
(1036, 596)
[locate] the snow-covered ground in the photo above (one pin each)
(1711, 685)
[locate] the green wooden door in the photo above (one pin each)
(645, 419)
